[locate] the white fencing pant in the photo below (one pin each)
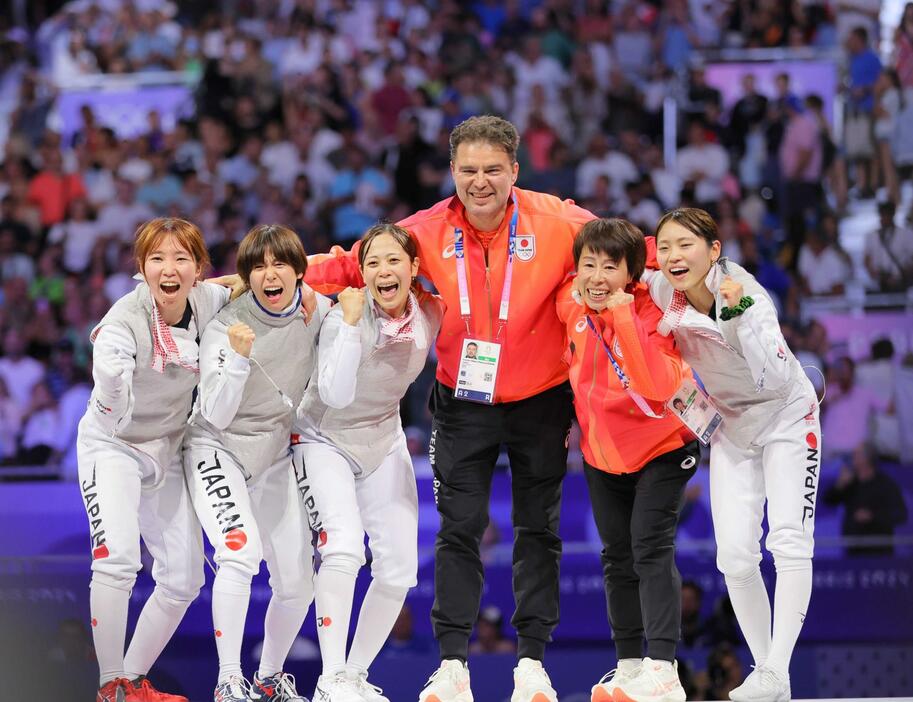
(783, 470)
(247, 521)
(342, 509)
(127, 496)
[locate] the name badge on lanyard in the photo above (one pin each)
(480, 358)
(695, 410)
(637, 398)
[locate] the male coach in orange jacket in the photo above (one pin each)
(497, 255)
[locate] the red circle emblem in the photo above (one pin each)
(235, 539)
(524, 243)
(811, 440)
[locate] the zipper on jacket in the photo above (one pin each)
(488, 291)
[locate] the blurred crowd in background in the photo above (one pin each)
(327, 115)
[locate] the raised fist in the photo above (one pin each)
(241, 337)
(352, 301)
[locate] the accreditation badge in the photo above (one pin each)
(695, 410)
(478, 371)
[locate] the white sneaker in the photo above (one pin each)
(336, 688)
(368, 692)
(531, 683)
(603, 690)
(449, 683)
(657, 681)
(763, 685)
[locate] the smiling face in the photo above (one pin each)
(598, 276)
(170, 271)
(483, 174)
(684, 257)
(388, 272)
(274, 282)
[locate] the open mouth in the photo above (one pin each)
(170, 288)
(387, 291)
(597, 294)
(482, 197)
(678, 272)
(273, 293)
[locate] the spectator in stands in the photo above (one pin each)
(800, 169)
(78, 234)
(10, 423)
(833, 166)
(48, 283)
(119, 218)
(890, 99)
(403, 639)
(864, 69)
(9, 220)
(873, 505)
(694, 628)
(822, 266)
(848, 410)
(40, 440)
(903, 47)
(13, 263)
(879, 374)
(21, 373)
(889, 252)
(747, 114)
(52, 190)
(703, 164)
(358, 194)
(600, 160)
(490, 635)
(724, 671)
(163, 188)
(904, 406)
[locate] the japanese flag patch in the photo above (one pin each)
(526, 246)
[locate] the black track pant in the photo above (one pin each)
(465, 442)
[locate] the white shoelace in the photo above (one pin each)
(362, 682)
(286, 685)
(237, 687)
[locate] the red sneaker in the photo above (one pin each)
(113, 691)
(141, 690)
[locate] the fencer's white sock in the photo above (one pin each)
(334, 592)
(108, 607)
(157, 623)
(283, 622)
(752, 610)
(378, 613)
(230, 598)
(791, 597)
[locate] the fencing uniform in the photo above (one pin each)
(128, 447)
(239, 472)
(767, 449)
(353, 464)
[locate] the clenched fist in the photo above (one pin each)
(241, 337)
(731, 291)
(618, 298)
(352, 301)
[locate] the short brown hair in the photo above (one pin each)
(616, 238)
(280, 241)
(488, 129)
(150, 234)
(400, 236)
(695, 220)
